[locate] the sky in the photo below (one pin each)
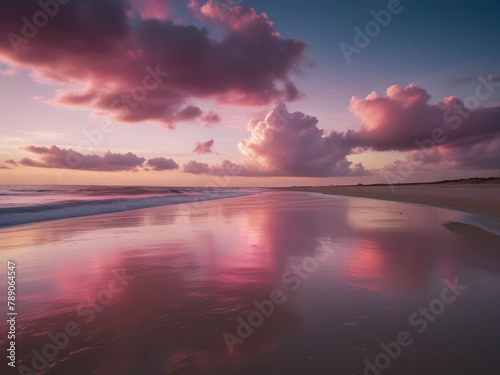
(248, 92)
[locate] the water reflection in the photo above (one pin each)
(193, 276)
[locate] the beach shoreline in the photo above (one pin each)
(481, 198)
(174, 283)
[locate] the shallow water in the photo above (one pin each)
(24, 204)
(163, 290)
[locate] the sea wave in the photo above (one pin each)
(77, 208)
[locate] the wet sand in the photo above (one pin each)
(481, 198)
(157, 290)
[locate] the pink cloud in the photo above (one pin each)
(27, 162)
(288, 144)
(138, 69)
(450, 132)
(204, 147)
(162, 164)
(12, 162)
(154, 9)
(291, 144)
(55, 157)
(404, 116)
(484, 155)
(233, 15)
(210, 119)
(226, 168)
(195, 167)
(189, 113)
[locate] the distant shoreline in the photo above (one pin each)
(476, 196)
(473, 180)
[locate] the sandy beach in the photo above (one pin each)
(477, 198)
(274, 283)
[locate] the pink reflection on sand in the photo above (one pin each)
(365, 268)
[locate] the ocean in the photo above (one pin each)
(23, 204)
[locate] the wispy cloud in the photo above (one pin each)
(204, 147)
